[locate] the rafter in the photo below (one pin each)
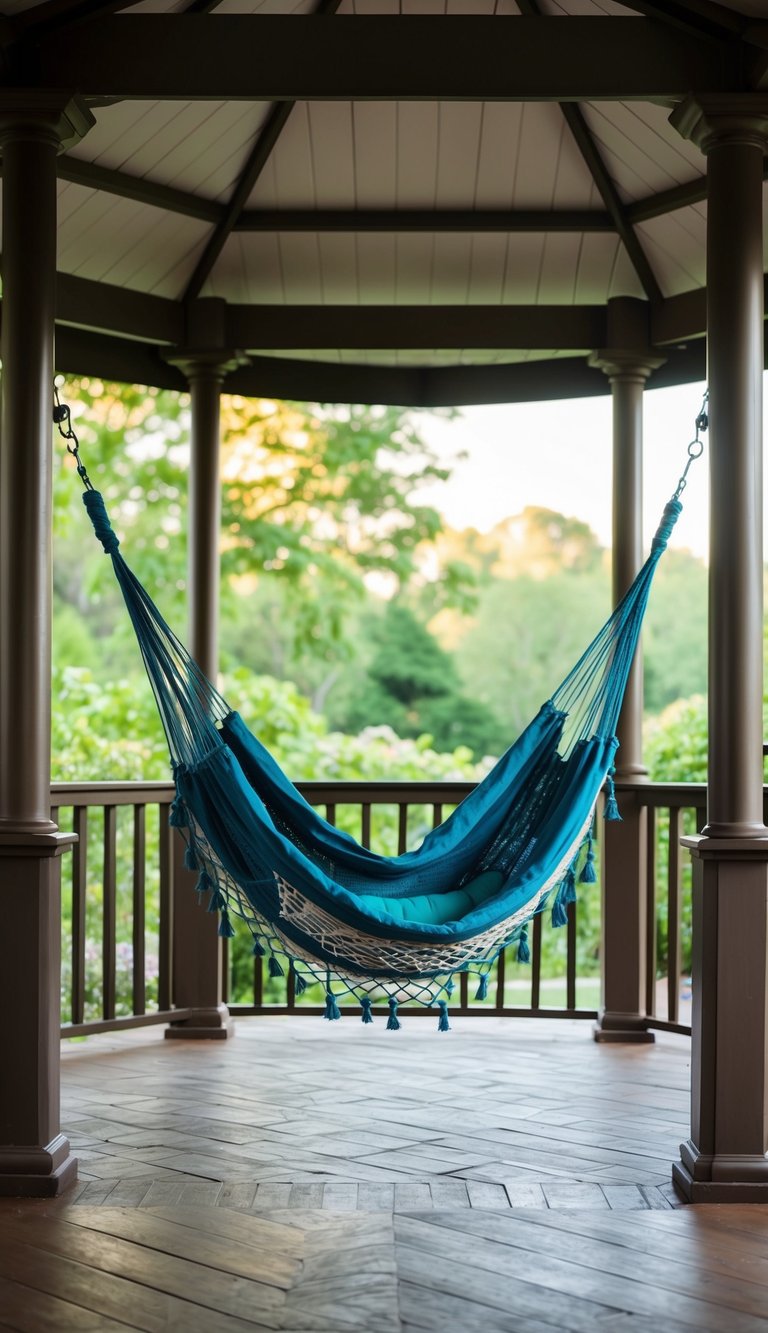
(702, 17)
(255, 57)
(54, 15)
(404, 220)
(122, 183)
(591, 156)
(255, 164)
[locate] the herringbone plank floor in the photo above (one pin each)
(298, 1113)
(315, 1178)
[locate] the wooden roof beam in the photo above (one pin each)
(376, 57)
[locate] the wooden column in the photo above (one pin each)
(725, 1159)
(35, 1157)
(624, 843)
(198, 951)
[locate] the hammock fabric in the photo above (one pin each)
(323, 906)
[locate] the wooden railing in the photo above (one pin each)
(118, 894)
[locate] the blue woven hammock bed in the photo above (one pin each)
(329, 910)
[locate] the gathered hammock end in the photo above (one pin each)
(97, 513)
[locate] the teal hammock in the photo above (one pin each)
(331, 911)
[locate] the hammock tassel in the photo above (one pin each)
(443, 1025)
(482, 990)
(588, 875)
(611, 810)
(226, 929)
(274, 968)
(559, 913)
(365, 1004)
(332, 1010)
(523, 951)
(300, 984)
(393, 1022)
(569, 887)
(190, 860)
(450, 986)
(258, 949)
(178, 815)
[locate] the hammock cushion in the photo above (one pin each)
(440, 908)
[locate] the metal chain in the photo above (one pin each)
(63, 419)
(696, 446)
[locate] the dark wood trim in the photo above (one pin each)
(257, 160)
(120, 1024)
(367, 327)
(54, 15)
(255, 57)
(99, 305)
(144, 191)
(702, 18)
(403, 220)
(412, 1011)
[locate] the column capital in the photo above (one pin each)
(58, 117)
(205, 362)
(714, 119)
(620, 364)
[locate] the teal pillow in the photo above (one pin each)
(436, 909)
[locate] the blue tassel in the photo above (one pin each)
(443, 1024)
(258, 949)
(190, 860)
(449, 986)
(331, 1008)
(217, 902)
(393, 1022)
(559, 913)
(365, 1002)
(274, 968)
(482, 991)
(177, 817)
(588, 874)
(523, 952)
(611, 810)
(226, 929)
(300, 983)
(569, 887)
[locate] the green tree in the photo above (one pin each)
(412, 684)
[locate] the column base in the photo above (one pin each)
(723, 1178)
(36, 1172)
(214, 1024)
(614, 1026)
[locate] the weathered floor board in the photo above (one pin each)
(312, 1178)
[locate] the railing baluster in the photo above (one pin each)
(290, 989)
(402, 828)
(365, 824)
(330, 814)
(673, 917)
(258, 982)
(463, 990)
(226, 977)
(109, 912)
(437, 814)
(650, 913)
(165, 933)
(536, 963)
(79, 886)
(501, 967)
(570, 958)
(139, 894)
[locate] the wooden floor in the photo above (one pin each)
(510, 1175)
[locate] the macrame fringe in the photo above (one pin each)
(588, 874)
(611, 810)
(258, 950)
(190, 860)
(300, 984)
(482, 990)
(393, 1022)
(365, 1004)
(177, 817)
(443, 1025)
(332, 1010)
(226, 929)
(274, 968)
(523, 952)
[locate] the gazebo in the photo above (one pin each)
(379, 207)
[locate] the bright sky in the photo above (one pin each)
(558, 455)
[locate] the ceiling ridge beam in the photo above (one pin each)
(577, 124)
(258, 157)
